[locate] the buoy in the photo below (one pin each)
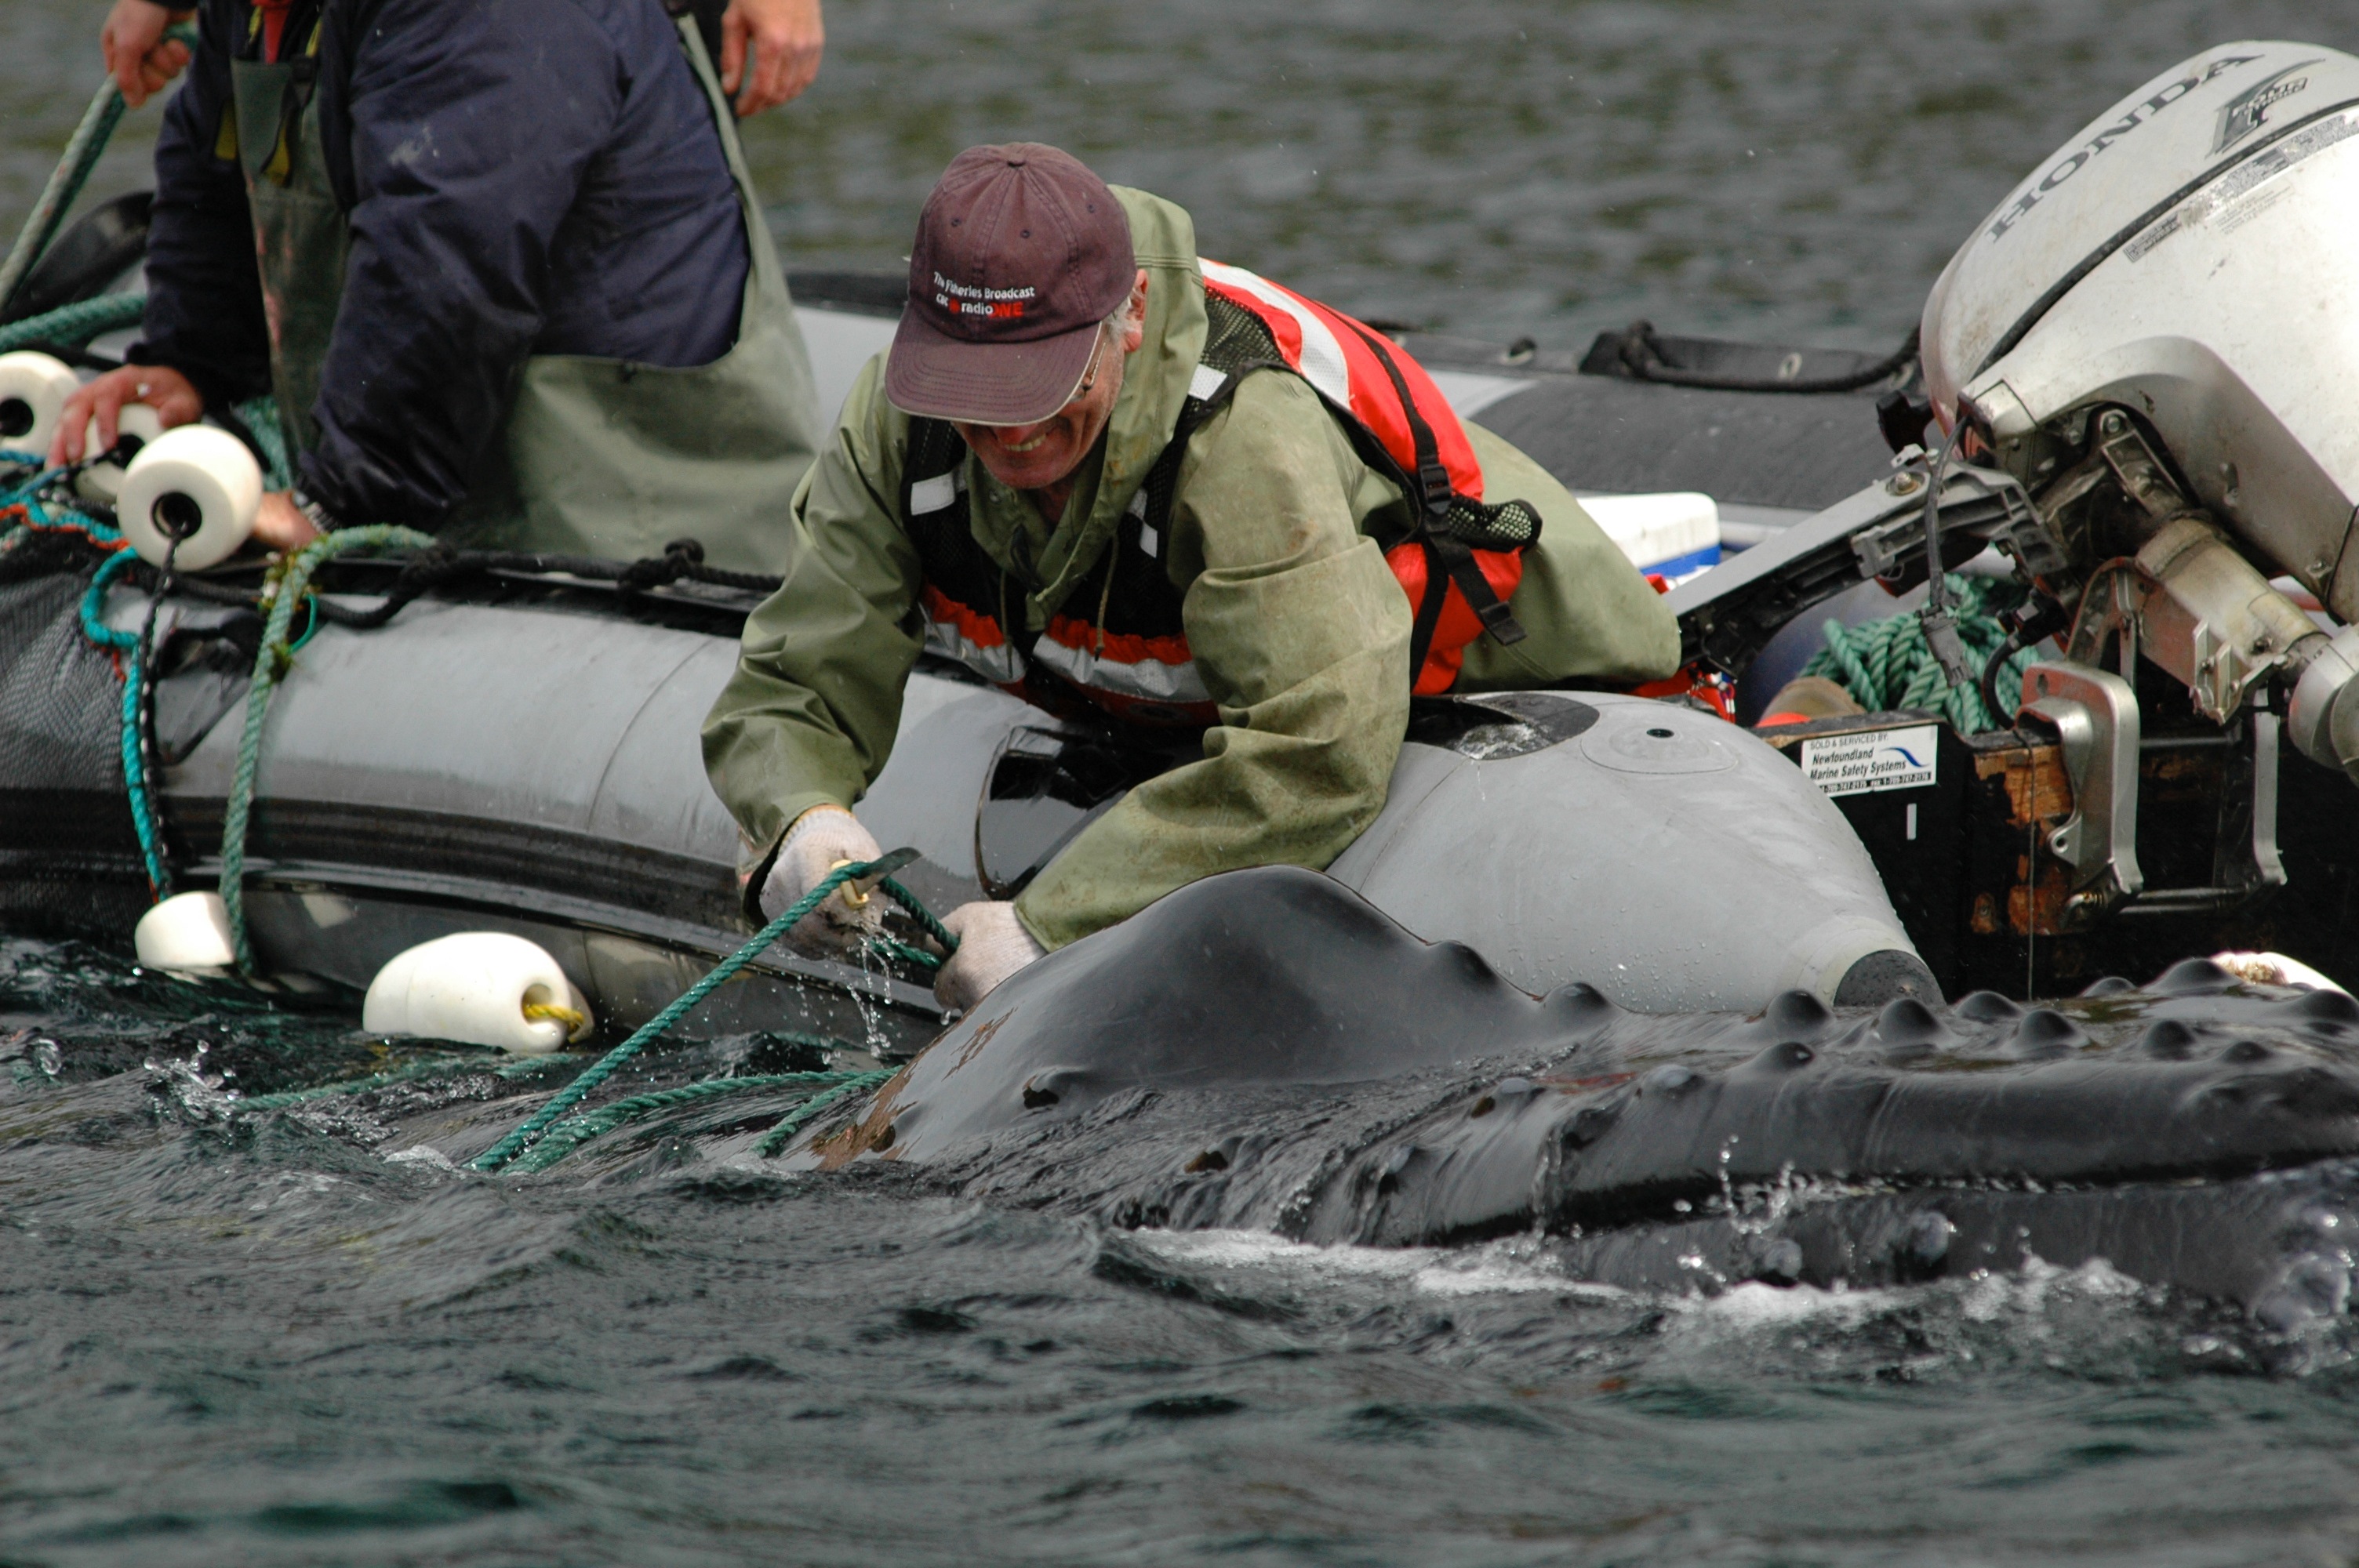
(475, 988)
(33, 392)
(197, 483)
(2274, 969)
(187, 934)
(103, 481)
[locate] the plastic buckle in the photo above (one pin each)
(1435, 479)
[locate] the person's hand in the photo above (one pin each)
(280, 525)
(138, 55)
(160, 387)
(821, 839)
(993, 945)
(785, 38)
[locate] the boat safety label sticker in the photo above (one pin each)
(1870, 760)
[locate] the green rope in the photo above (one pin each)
(925, 919)
(774, 1142)
(66, 181)
(917, 957)
(289, 586)
(126, 647)
(260, 416)
(508, 1148)
(288, 583)
(1887, 665)
(76, 324)
(83, 149)
(575, 1131)
(893, 950)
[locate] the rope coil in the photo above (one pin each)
(1887, 665)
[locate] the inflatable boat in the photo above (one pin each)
(1666, 987)
(518, 752)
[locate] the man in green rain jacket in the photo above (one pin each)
(993, 491)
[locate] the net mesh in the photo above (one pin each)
(60, 702)
(70, 860)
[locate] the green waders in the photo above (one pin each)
(597, 457)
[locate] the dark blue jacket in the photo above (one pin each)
(520, 177)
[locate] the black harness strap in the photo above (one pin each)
(1442, 548)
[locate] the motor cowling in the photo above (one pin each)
(2184, 261)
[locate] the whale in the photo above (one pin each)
(1267, 1051)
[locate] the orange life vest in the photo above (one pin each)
(1118, 640)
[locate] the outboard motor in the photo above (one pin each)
(2157, 332)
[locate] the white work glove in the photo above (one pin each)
(993, 945)
(820, 839)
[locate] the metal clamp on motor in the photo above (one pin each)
(2095, 715)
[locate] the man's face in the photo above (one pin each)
(1038, 455)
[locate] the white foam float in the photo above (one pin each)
(194, 481)
(474, 987)
(187, 934)
(103, 481)
(33, 392)
(2274, 969)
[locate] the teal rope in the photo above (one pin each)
(310, 627)
(508, 1148)
(917, 957)
(575, 1131)
(925, 919)
(774, 1142)
(260, 416)
(1886, 664)
(270, 664)
(125, 645)
(76, 324)
(83, 149)
(895, 951)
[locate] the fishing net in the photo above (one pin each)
(68, 857)
(60, 700)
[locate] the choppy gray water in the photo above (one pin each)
(260, 1343)
(248, 1339)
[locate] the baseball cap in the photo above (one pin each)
(1021, 252)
